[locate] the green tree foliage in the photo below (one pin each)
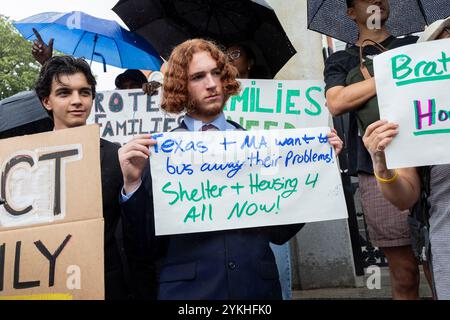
(18, 69)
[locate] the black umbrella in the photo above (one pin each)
(23, 114)
(406, 16)
(167, 23)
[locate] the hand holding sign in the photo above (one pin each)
(377, 137)
(335, 141)
(133, 158)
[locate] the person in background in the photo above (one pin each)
(387, 226)
(130, 79)
(243, 58)
(402, 186)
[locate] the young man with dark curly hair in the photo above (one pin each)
(232, 264)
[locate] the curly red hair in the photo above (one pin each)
(175, 94)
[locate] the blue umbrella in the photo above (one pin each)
(81, 35)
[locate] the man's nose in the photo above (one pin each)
(210, 82)
(75, 98)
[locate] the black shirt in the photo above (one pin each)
(337, 66)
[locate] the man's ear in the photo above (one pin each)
(45, 104)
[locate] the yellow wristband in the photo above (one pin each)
(390, 180)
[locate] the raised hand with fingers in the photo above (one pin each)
(40, 50)
(151, 88)
(378, 136)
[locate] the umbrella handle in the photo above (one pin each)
(97, 54)
(93, 49)
(103, 60)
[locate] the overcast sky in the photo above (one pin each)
(19, 9)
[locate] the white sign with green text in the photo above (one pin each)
(412, 87)
(212, 180)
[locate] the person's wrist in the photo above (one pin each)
(383, 173)
(387, 176)
(130, 186)
(380, 169)
(379, 157)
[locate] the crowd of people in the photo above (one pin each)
(199, 78)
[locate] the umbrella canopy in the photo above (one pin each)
(82, 35)
(22, 114)
(329, 17)
(167, 23)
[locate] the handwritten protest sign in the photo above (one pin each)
(53, 262)
(271, 104)
(262, 104)
(412, 87)
(51, 224)
(205, 181)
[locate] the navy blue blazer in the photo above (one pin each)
(231, 264)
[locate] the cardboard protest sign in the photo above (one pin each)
(412, 84)
(51, 224)
(206, 181)
(57, 262)
(261, 104)
(52, 177)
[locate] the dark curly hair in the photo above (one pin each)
(175, 94)
(58, 66)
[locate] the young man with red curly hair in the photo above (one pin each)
(232, 264)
